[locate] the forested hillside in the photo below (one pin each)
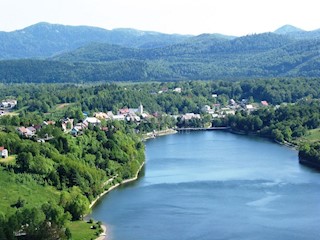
(200, 58)
(83, 54)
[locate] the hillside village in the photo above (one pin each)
(137, 116)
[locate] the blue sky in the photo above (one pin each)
(231, 17)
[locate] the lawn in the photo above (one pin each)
(58, 110)
(11, 159)
(81, 230)
(62, 106)
(15, 186)
(312, 136)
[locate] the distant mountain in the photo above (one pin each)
(202, 48)
(298, 33)
(205, 57)
(287, 29)
(44, 40)
(85, 54)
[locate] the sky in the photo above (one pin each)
(230, 17)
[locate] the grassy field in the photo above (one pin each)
(15, 186)
(81, 230)
(9, 160)
(312, 136)
(58, 110)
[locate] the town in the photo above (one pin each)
(138, 115)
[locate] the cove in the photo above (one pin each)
(215, 185)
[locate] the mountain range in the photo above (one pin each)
(56, 53)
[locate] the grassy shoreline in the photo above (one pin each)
(103, 234)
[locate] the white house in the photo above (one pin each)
(189, 116)
(3, 152)
(249, 107)
(8, 103)
(178, 90)
(119, 117)
(92, 121)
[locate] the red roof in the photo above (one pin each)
(264, 103)
(123, 110)
(22, 129)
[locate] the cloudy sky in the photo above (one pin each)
(231, 17)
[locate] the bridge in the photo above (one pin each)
(201, 129)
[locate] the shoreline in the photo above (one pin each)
(160, 133)
(313, 165)
(103, 235)
(116, 185)
(285, 143)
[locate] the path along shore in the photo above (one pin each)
(104, 227)
(155, 134)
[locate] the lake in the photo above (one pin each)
(215, 185)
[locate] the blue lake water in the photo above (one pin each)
(215, 185)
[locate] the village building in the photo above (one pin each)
(133, 118)
(27, 132)
(178, 90)
(110, 114)
(249, 108)
(232, 102)
(22, 130)
(189, 116)
(101, 115)
(46, 123)
(81, 126)
(3, 152)
(264, 103)
(123, 111)
(207, 109)
(74, 131)
(144, 115)
(8, 104)
(92, 121)
(137, 111)
(228, 111)
(66, 124)
(119, 117)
